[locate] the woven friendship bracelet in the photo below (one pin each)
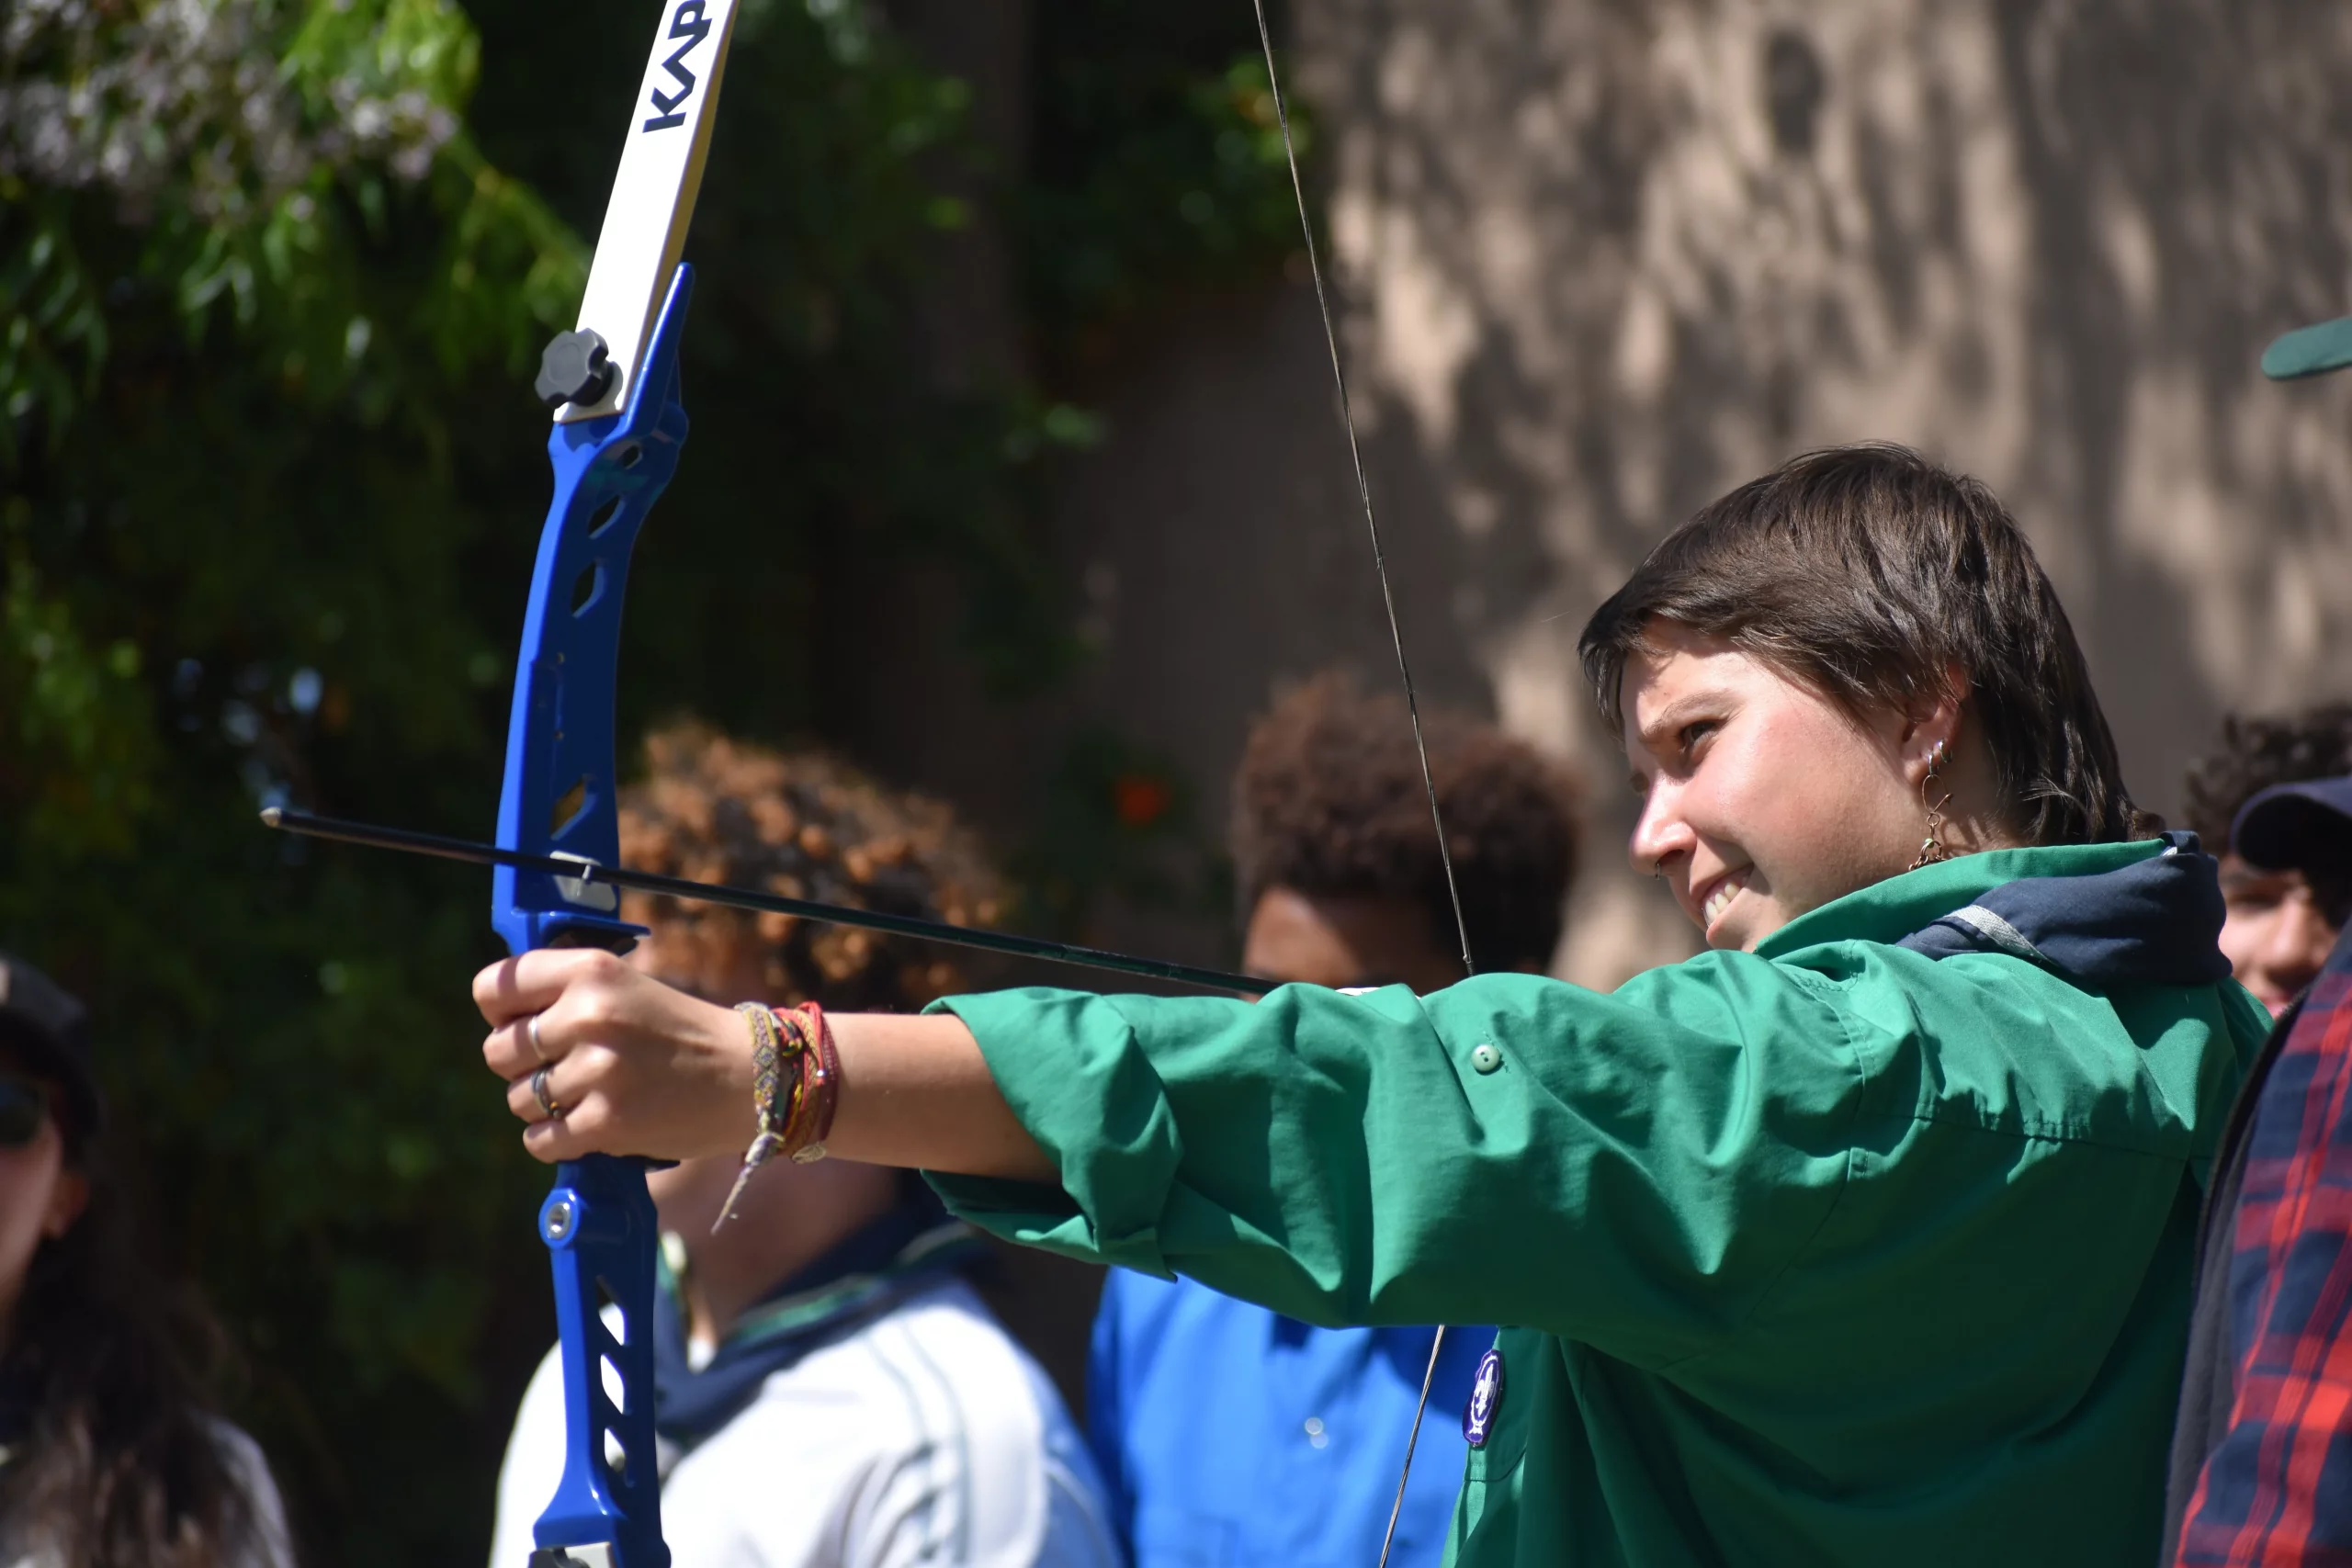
(768, 1078)
(800, 1046)
(819, 1069)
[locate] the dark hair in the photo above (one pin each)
(124, 1466)
(1329, 802)
(807, 825)
(2259, 751)
(1871, 574)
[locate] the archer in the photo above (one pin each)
(1860, 1238)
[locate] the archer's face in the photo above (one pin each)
(1760, 798)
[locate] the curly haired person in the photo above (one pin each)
(1214, 1420)
(829, 1391)
(2280, 928)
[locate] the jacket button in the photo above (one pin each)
(1485, 1058)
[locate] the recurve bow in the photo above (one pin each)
(619, 424)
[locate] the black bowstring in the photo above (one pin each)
(1404, 669)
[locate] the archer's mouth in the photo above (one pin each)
(1719, 897)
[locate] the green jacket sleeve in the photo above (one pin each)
(1634, 1170)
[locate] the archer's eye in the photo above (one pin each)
(1691, 735)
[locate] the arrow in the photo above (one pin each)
(586, 873)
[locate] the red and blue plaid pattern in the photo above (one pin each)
(2277, 1488)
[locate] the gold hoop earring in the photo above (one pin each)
(1931, 848)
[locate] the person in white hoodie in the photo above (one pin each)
(829, 1390)
(110, 1456)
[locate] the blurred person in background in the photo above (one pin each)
(2261, 1466)
(111, 1454)
(829, 1388)
(1228, 1432)
(2278, 932)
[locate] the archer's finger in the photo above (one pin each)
(533, 982)
(559, 1140)
(513, 1050)
(536, 1097)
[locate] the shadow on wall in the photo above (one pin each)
(1599, 260)
(1608, 260)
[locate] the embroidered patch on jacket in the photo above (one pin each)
(1485, 1398)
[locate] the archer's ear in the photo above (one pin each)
(1933, 718)
(67, 1200)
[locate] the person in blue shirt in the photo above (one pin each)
(1231, 1437)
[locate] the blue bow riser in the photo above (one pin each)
(560, 799)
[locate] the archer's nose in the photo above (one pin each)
(1659, 832)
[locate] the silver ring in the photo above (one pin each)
(533, 1034)
(539, 1092)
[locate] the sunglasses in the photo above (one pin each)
(24, 1108)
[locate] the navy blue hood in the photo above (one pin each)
(2155, 922)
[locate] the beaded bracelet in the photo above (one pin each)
(769, 1047)
(819, 1066)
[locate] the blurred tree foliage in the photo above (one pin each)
(1123, 823)
(1158, 162)
(1156, 175)
(272, 274)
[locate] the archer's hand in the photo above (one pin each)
(634, 1067)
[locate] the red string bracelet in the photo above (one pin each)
(819, 1063)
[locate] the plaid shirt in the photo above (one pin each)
(2278, 1488)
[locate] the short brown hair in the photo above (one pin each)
(1329, 802)
(807, 826)
(1868, 573)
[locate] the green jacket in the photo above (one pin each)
(1829, 1253)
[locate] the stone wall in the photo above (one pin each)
(1599, 260)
